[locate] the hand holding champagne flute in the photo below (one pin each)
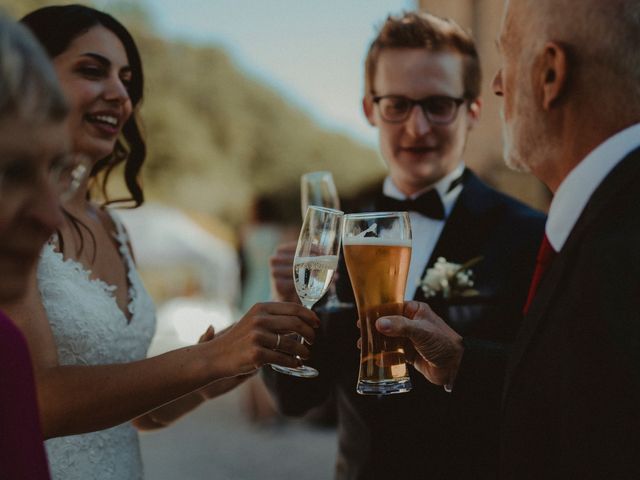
(315, 261)
(377, 251)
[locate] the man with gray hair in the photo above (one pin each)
(34, 174)
(570, 81)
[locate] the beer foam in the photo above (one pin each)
(380, 242)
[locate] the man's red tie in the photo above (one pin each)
(545, 255)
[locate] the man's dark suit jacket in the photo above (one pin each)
(423, 433)
(571, 400)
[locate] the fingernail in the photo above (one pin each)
(384, 324)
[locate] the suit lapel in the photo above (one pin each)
(471, 213)
(626, 172)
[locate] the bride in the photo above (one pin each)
(89, 320)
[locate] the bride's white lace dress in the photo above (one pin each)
(90, 329)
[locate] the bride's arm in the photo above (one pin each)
(165, 415)
(76, 399)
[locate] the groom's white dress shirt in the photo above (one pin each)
(425, 231)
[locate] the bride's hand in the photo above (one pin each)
(219, 387)
(260, 338)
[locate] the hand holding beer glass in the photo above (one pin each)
(315, 261)
(377, 251)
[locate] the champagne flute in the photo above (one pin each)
(318, 188)
(315, 261)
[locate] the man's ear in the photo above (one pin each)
(367, 108)
(553, 73)
(473, 112)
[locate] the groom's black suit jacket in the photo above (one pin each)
(425, 433)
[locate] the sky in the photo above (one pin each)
(310, 51)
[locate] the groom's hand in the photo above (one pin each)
(281, 269)
(434, 348)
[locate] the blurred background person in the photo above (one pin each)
(422, 93)
(268, 226)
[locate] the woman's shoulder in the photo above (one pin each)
(110, 219)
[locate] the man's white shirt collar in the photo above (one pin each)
(576, 189)
(442, 186)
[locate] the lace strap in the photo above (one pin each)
(124, 246)
(122, 237)
(120, 230)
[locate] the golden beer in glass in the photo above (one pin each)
(377, 251)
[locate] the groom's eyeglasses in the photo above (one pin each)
(438, 109)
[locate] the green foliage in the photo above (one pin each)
(218, 138)
(19, 8)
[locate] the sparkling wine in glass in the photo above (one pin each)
(319, 189)
(315, 262)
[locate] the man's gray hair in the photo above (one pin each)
(28, 84)
(603, 35)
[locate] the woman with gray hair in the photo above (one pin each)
(34, 175)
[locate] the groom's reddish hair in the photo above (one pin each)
(434, 34)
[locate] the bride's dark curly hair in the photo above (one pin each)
(56, 27)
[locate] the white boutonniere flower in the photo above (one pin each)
(449, 280)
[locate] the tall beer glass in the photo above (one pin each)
(377, 251)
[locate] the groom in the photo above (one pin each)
(422, 94)
(571, 399)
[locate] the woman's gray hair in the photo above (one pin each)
(28, 84)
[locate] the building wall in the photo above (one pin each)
(484, 151)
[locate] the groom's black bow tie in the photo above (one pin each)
(428, 204)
